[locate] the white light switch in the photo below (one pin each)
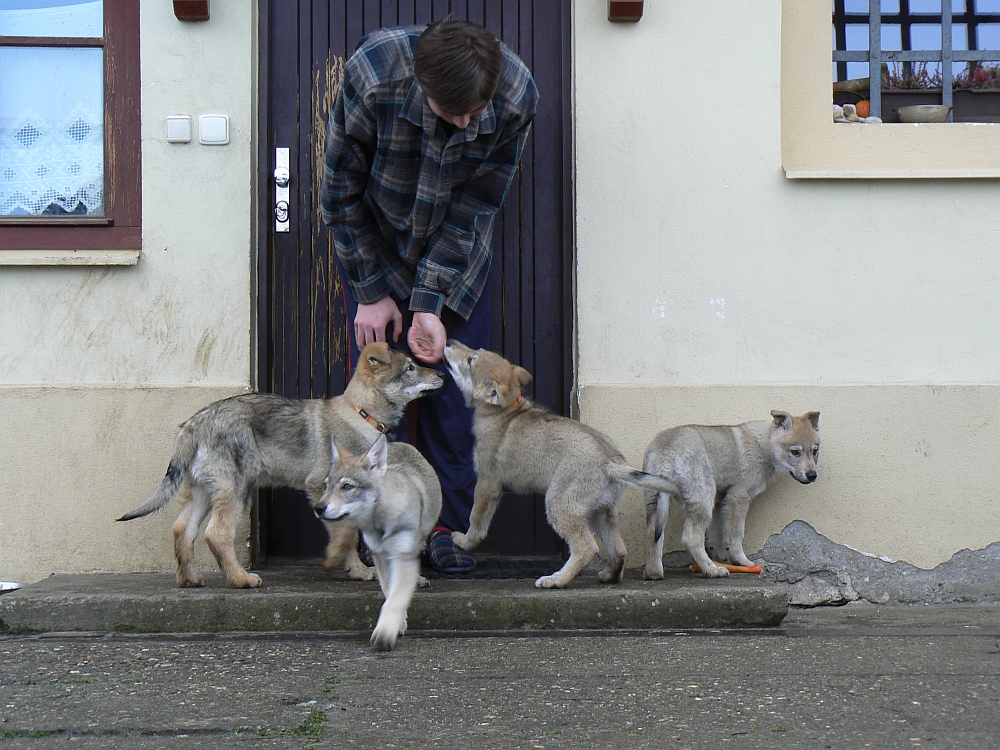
(179, 129)
(214, 130)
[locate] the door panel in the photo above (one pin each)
(301, 326)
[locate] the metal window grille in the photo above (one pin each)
(906, 19)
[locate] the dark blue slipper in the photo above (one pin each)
(446, 557)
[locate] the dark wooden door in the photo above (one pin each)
(301, 334)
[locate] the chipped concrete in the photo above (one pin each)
(819, 572)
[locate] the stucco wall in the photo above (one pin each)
(700, 264)
(181, 317)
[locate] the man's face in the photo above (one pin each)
(459, 121)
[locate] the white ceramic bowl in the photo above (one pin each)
(923, 113)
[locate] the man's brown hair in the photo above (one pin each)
(458, 65)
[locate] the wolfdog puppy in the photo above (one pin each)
(523, 448)
(392, 495)
(262, 440)
(718, 470)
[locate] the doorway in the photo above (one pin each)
(300, 318)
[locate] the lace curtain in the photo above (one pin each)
(51, 110)
(51, 167)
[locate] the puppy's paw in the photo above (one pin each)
(249, 581)
(551, 582)
(361, 572)
(716, 571)
(652, 573)
(422, 583)
(463, 541)
(612, 574)
(384, 638)
(189, 580)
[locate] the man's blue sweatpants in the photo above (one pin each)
(444, 425)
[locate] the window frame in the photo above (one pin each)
(813, 146)
(115, 237)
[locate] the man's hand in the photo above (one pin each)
(427, 337)
(371, 321)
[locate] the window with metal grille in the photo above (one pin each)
(929, 49)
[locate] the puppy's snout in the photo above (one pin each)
(319, 510)
(811, 476)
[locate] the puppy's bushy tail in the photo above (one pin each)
(185, 447)
(644, 480)
(654, 483)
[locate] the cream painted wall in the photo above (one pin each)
(182, 315)
(75, 459)
(700, 264)
(98, 366)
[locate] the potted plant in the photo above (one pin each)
(906, 84)
(977, 94)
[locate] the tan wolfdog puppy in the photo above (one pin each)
(392, 495)
(262, 440)
(523, 448)
(718, 470)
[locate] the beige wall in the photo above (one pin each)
(178, 324)
(75, 459)
(712, 288)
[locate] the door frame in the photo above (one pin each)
(264, 218)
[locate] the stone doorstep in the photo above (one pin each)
(304, 600)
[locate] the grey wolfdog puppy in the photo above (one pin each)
(522, 447)
(392, 495)
(262, 440)
(718, 470)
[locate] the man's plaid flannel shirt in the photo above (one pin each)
(411, 208)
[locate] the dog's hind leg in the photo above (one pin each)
(611, 545)
(404, 569)
(697, 517)
(576, 532)
(657, 512)
(227, 509)
(195, 505)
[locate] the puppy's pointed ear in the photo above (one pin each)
(494, 395)
(335, 451)
(523, 376)
(782, 419)
(376, 459)
(813, 417)
(378, 355)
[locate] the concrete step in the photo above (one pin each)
(305, 599)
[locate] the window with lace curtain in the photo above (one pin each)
(69, 125)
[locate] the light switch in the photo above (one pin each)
(179, 129)
(214, 130)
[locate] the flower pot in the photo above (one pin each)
(969, 105)
(977, 105)
(896, 98)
